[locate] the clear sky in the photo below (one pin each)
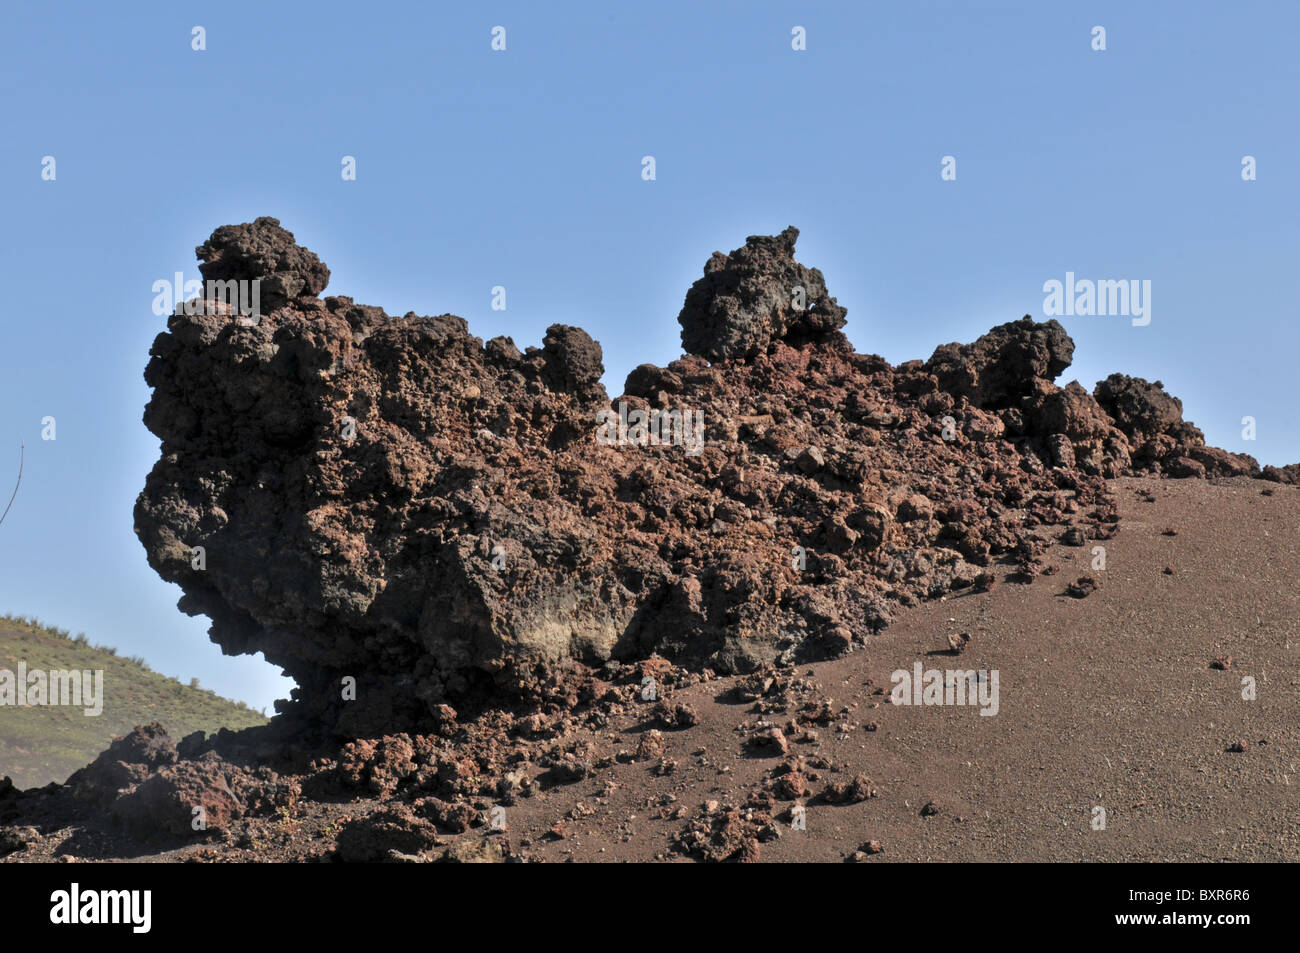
(523, 168)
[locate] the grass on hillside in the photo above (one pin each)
(43, 744)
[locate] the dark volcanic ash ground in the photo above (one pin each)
(392, 500)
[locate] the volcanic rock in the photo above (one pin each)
(1001, 366)
(401, 516)
(265, 252)
(127, 761)
(144, 784)
(1141, 409)
(853, 791)
(1287, 474)
(1159, 438)
(393, 828)
(756, 296)
(1083, 587)
(166, 802)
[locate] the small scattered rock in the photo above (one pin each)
(811, 460)
(1083, 587)
(770, 742)
(675, 717)
(868, 849)
(651, 745)
(849, 792)
(791, 786)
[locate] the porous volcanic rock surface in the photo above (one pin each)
(391, 500)
(756, 296)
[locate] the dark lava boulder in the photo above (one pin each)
(572, 361)
(757, 295)
(143, 784)
(1289, 474)
(1152, 421)
(127, 761)
(1141, 409)
(262, 250)
(401, 516)
(1000, 366)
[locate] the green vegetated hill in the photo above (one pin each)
(47, 743)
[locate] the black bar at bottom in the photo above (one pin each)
(265, 903)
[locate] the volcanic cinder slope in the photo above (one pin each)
(392, 500)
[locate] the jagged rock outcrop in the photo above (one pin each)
(1288, 474)
(1152, 421)
(755, 296)
(143, 784)
(264, 251)
(1001, 367)
(399, 514)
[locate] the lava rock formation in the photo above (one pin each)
(392, 501)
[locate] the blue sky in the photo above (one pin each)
(522, 168)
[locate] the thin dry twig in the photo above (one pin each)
(22, 456)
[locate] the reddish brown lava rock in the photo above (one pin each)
(1287, 474)
(853, 791)
(142, 782)
(769, 742)
(127, 762)
(675, 717)
(393, 828)
(866, 850)
(394, 502)
(728, 833)
(1083, 587)
(263, 250)
(650, 746)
